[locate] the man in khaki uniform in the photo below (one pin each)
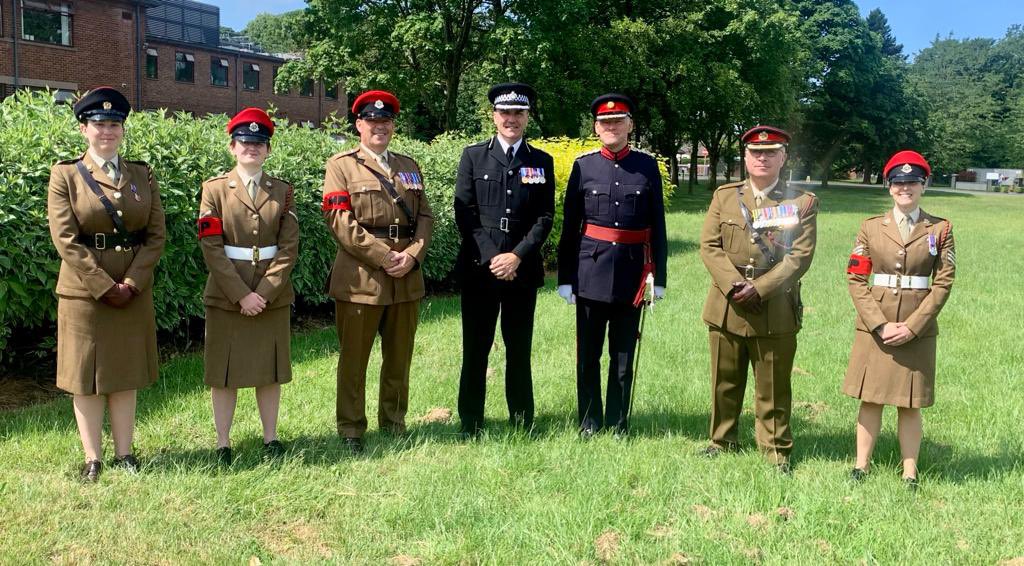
(375, 207)
(758, 240)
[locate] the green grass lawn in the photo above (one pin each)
(511, 498)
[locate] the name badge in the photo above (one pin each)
(781, 216)
(411, 180)
(532, 176)
(933, 248)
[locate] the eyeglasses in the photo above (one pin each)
(765, 153)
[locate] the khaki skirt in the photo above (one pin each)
(102, 349)
(902, 376)
(247, 351)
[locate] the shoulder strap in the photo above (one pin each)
(107, 205)
(754, 233)
(393, 193)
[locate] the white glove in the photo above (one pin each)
(565, 291)
(659, 293)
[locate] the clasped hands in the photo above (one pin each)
(895, 333)
(745, 296)
(398, 264)
(252, 304)
(504, 266)
(119, 295)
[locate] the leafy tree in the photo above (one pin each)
(279, 33)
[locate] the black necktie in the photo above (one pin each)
(510, 154)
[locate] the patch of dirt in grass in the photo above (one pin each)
(489, 373)
(755, 554)
(801, 371)
(702, 511)
(757, 520)
(606, 546)
(678, 559)
(437, 415)
(294, 538)
(661, 531)
(405, 560)
(785, 513)
(963, 545)
(1018, 561)
(74, 554)
(814, 410)
(17, 392)
(823, 546)
(255, 561)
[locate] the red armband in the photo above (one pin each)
(338, 200)
(210, 226)
(859, 265)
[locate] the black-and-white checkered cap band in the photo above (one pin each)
(511, 101)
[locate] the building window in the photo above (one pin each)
(307, 88)
(184, 67)
(218, 71)
(331, 92)
(251, 76)
(151, 66)
(47, 22)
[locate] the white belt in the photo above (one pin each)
(901, 281)
(250, 254)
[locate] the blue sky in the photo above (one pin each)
(915, 23)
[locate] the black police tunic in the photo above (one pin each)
(622, 193)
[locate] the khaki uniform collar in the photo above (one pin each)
(898, 215)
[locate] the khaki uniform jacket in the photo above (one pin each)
(358, 275)
(270, 221)
(726, 247)
(879, 240)
(73, 209)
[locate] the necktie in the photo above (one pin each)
(111, 171)
(758, 199)
(383, 160)
(251, 185)
(510, 154)
(905, 228)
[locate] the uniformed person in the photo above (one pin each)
(107, 224)
(249, 235)
(757, 242)
(375, 206)
(504, 206)
(613, 237)
(900, 273)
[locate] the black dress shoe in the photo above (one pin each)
(712, 451)
(128, 462)
(587, 432)
(911, 484)
(273, 449)
(858, 474)
(224, 456)
(355, 445)
(91, 471)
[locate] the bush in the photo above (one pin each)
(183, 151)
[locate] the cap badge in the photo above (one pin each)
(107, 105)
(379, 104)
(254, 127)
(906, 168)
(610, 104)
(762, 136)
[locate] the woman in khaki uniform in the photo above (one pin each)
(900, 275)
(107, 224)
(249, 235)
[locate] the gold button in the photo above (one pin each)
(898, 265)
(120, 213)
(255, 216)
(117, 194)
(255, 232)
(118, 248)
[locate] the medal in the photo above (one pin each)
(532, 175)
(933, 249)
(135, 193)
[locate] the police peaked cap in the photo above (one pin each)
(102, 103)
(512, 96)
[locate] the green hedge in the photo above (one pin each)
(183, 151)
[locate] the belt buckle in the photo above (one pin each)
(503, 224)
(899, 281)
(393, 232)
(101, 237)
(748, 272)
(255, 255)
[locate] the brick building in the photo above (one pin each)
(160, 53)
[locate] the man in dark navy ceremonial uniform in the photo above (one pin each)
(613, 238)
(504, 207)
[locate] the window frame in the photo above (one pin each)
(217, 61)
(182, 58)
(64, 13)
(247, 70)
(312, 88)
(153, 54)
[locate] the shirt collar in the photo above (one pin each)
(505, 145)
(763, 193)
(898, 215)
(613, 155)
(100, 162)
(378, 156)
(245, 178)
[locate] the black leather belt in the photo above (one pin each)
(109, 240)
(750, 272)
(505, 224)
(392, 232)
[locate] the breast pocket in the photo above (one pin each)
(635, 199)
(368, 202)
(733, 236)
(487, 184)
(596, 198)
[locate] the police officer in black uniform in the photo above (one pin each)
(504, 207)
(613, 238)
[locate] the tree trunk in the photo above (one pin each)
(867, 174)
(693, 166)
(673, 168)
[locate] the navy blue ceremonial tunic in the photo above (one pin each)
(623, 194)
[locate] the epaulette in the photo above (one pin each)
(586, 153)
(346, 153)
(643, 151)
(404, 156)
(481, 143)
(69, 161)
(729, 186)
(138, 162)
(216, 177)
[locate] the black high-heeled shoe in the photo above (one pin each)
(91, 471)
(128, 462)
(858, 474)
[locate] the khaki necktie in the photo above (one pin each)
(905, 228)
(383, 160)
(111, 171)
(758, 199)
(251, 185)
